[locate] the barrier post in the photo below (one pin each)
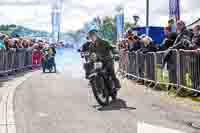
(132, 66)
(137, 67)
(5, 62)
(155, 71)
(178, 73)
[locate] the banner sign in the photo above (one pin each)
(120, 26)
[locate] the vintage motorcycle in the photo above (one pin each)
(101, 81)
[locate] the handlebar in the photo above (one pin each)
(79, 50)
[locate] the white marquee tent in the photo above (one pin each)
(192, 25)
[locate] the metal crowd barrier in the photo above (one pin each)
(142, 66)
(189, 70)
(20, 59)
(28, 58)
(182, 68)
(132, 64)
(15, 60)
(124, 61)
(166, 74)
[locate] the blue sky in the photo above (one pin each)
(36, 13)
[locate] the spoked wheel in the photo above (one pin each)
(50, 70)
(55, 70)
(114, 95)
(100, 91)
(50, 67)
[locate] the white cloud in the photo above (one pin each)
(36, 17)
(77, 12)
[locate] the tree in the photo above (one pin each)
(128, 25)
(108, 28)
(12, 26)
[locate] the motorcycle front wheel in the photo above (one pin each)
(100, 91)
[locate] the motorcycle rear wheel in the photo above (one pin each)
(114, 96)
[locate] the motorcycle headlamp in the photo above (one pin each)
(98, 65)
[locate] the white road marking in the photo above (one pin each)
(42, 114)
(7, 120)
(147, 128)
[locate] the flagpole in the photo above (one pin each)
(147, 17)
(178, 10)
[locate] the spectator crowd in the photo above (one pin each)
(183, 38)
(7, 43)
(18, 53)
(180, 38)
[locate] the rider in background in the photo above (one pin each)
(104, 52)
(52, 51)
(49, 53)
(85, 48)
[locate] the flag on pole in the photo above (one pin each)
(120, 22)
(174, 9)
(120, 25)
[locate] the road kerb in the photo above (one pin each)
(7, 116)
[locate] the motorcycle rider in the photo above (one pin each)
(49, 52)
(104, 51)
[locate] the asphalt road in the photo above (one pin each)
(63, 103)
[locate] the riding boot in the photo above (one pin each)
(117, 84)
